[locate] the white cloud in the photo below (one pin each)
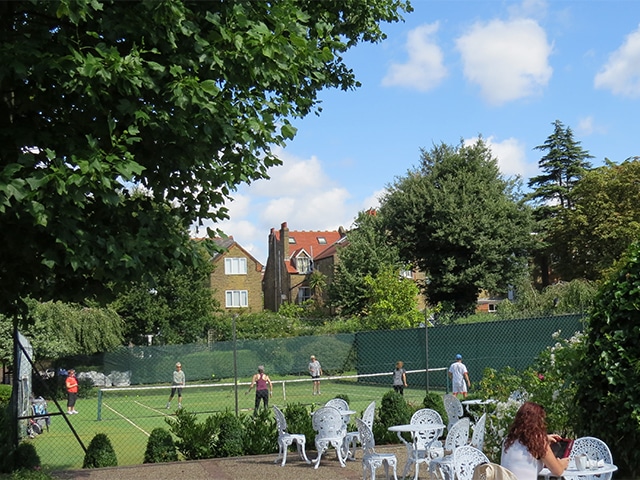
(588, 126)
(528, 9)
(299, 193)
(621, 73)
(373, 201)
(508, 60)
(424, 69)
(510, 154)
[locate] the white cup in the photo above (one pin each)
(582, 462)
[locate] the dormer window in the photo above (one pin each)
(292, 240)
(303, 264)
(322, 240)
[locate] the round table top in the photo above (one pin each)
(342, 412)
(574, 472)
(478, 401)
(417, 427)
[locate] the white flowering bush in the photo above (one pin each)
(549, 382)
(498, 422)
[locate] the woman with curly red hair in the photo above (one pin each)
(528, 446)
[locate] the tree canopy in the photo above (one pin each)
(183, 98)
(604, 221)
(367, 252)
(61, 329)
(563, 164)
(176, 308)
(460, 222)
(608, 380)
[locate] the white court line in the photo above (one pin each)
(119, 414)
(153, 409)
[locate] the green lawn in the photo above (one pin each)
(128, 418)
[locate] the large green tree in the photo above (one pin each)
(184, 98)
(563, 164)
(603, 221)
(367, 251)
(175, 308)
(61, 329)
(460, 221)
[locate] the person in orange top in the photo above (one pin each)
(72, 392)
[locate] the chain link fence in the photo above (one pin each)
(132, 386)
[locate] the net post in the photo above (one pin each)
(99, 405)
(284, 391)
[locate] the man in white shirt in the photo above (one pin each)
(459, 377)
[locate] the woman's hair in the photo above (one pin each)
(399, 364)
(530, 428)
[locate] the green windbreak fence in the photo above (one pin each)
(513, 343)
(220, 360)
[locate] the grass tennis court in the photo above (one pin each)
(129, 415)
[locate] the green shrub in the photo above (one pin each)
(5, 395)
(228, 435)
(26, 457)
(86, 389)
(393, 411)
(607, 400)
(25, 474)
(343, 396)
(6, 444)
(194, 440)
(435, 402)
(261, 436)
(299, 421)
(100, 453)
(160, 447)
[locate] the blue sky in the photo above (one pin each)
(455, 69)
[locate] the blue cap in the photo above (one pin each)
(458, 357)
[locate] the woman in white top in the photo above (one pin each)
(528, 447)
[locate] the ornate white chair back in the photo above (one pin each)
(465, 459)
(453, 407)
(458, 435)
(327, 422)
(366, 438)
(369, 414)
(594, 449)
(477, 438)
(425, 416)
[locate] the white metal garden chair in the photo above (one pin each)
(353, 438)
(458, 435)
(594, 449)
(327, 422)
(371, 460)
(465, 459)
(425, 444)
(286, 439)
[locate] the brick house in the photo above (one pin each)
(291, 259)
(236, 281)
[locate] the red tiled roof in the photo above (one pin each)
(308, 241)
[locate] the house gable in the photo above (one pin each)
(291, 259)
(236, 280)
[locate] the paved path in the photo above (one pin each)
(258, 467)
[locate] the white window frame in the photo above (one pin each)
(235, 266)
(304, 294)
(492, 308)
(236, 298)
